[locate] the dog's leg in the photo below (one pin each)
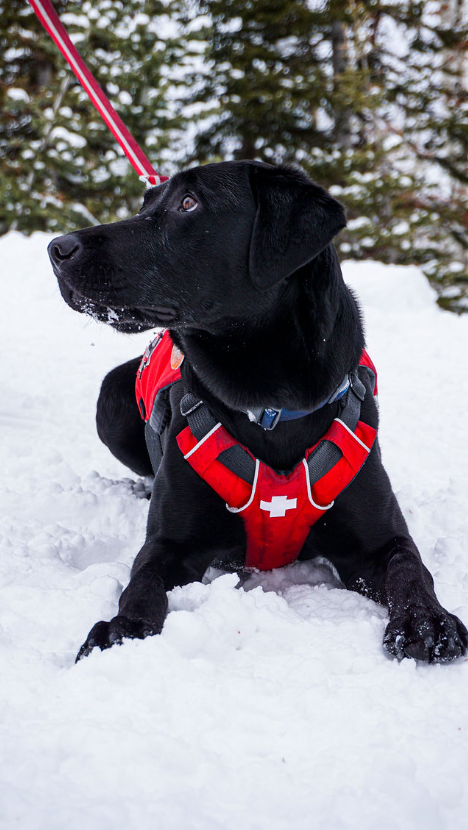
(119, 423)
(366, 538)
(419, 626)
(143, 603)
(187, 530)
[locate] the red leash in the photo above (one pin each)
(51, 22)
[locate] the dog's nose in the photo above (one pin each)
(64, 248)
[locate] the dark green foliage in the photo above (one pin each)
(262, 77)
(60, 165)
(370, 98)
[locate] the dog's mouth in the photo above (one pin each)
(126, 319)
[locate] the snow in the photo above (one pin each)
(18, 94)
(401, 228)
(68, 138)
(357, 224)
(273, 707)
(70, 19)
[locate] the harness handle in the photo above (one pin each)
(51, 22)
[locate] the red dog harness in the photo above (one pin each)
(277, 509)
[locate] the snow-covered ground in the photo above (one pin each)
(271, 708)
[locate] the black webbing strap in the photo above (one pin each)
(370, 374)
(199, 417)
(159, 419)
(353, 399)
(327, 454)
(241, 463)
(153, 442)
(201, 421)
(322, 460)
(161, 412)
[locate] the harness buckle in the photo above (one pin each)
(357, 386)
(266, 417)
(189, 403)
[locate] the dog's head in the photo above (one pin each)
(212, 243)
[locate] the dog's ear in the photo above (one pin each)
(295, 220)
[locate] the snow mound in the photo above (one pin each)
(390, 288)
(264, 705)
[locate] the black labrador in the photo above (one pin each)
(236, 260)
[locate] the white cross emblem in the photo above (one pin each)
(278, 505)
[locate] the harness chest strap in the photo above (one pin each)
(277, 510)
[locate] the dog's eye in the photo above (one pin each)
(188, 203)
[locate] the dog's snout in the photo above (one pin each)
(64, 248)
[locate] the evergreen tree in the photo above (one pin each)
(370, 97)
(430, 88)
(60, 165)
(367, 97)
(262, 82)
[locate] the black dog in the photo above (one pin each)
(236, 260)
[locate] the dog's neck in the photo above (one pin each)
(293, 358)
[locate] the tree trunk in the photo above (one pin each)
(343, 134)
(248, 150)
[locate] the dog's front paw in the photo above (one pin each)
(106, 634)
(429, 634)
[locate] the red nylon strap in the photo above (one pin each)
(275, 536)
(154, 373)
(278, 510)
(51, 22)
